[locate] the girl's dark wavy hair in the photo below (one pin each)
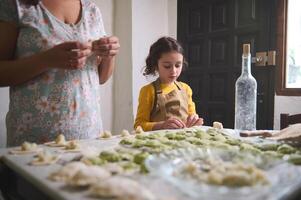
(31, 2)
(162, 45)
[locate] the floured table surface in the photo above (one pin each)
(37, 175)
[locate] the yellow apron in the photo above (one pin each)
(173, 104)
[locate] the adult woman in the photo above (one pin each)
(53, 55)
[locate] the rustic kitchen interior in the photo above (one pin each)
(176, 164)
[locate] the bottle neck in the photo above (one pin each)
(246, 65)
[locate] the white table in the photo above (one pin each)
(23, 181)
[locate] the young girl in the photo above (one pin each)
(166, 103)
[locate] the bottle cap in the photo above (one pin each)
(246, 49)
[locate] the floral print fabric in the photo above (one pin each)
(57, 101)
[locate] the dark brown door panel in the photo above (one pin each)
(212, 33)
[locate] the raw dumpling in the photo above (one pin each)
(67, 171)
(139, 130)
(25, 148)
(87, 176)
(125, 133)
(122, 189)
(60, 141)
(106, 134)
(217, 125)
(72, 146)
(44, 158)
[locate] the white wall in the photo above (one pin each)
(123, 96)
(172, 18)
(4, 99)
(285, 104)
(138, 23)
(107, 9)
(151, 20)
(148, 26)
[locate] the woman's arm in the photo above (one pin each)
(16, 71)
(106, 68)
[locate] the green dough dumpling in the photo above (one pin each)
(249, 148)
(110, 156)
(295, 159)
(286, 149)
(202, 135)
(140, 157)
(127, 141)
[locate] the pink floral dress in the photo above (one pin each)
(57, 101)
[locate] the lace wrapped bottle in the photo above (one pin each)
(245, 95)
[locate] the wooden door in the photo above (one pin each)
(212, 33)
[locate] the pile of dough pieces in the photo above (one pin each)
(100, 182)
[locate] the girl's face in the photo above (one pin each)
(170, 67)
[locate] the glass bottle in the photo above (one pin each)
(245, 94)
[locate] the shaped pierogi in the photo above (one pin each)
(67, 171)
(121, 188)
(44, 158)
(25, 148)
(60, 141)
(87, 176)
(72, 146)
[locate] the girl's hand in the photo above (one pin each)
(171, 123)
(68, 55)
(194, 120)
(106, 47)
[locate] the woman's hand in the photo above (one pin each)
(194, 120)
(68, 55)
(106, 47)
(171, 123)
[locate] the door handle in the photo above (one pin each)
(264, 58)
